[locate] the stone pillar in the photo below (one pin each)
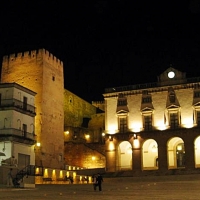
(162, 156)
(137, 159)
(189, 153)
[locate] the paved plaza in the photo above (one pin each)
(177, 187)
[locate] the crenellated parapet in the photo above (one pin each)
(34, 54)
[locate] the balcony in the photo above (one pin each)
(11, 132)
(9, 104)
(147, 85)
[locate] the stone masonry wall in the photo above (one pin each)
(41, 72)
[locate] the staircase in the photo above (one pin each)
(29, 170)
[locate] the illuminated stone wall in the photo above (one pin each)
(75, 109)
(42, 73)
(83, 156)
(159, 99)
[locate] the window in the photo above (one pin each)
(172, 98)
(174, 120)
(53, 78)
(25, 103)
(171, 95)
(123, 124)
(196, 94)
(146, 99)
(198, 118)
(122, 102)
(24, 130)
(147, 122)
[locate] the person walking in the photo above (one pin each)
(99, 180)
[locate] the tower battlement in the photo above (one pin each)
(29, 55)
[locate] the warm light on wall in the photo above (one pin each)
(38, 144)
(61, 174)
(188, 125)
(46, 173)
(136, 143)
(154, 149)
(135, 127)
(37, 170)
(103, 134)
(66, 132)
(111, 146)
(112, 129)
(129, 150)
(160, 125)
(87, 136)
(93, 158)
(187, 122)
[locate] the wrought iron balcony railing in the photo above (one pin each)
(16, 104)
(17, 132)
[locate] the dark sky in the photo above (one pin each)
(106, 43)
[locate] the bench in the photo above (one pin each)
(47, 179)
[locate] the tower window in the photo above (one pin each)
(53, 78)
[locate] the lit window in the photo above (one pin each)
(174, 123)
(198, 118)
(123, 124)
(147, 122)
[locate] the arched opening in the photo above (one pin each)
(197, 152)
(176, 153)
(125, 156)
(150, 155)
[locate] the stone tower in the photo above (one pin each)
(42, 73)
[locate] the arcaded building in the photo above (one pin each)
(154, 128)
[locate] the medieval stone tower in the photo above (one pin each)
(41, 72)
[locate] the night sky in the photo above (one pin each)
(106, 43)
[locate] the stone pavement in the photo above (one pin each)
(177, 187)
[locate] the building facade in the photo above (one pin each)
(154, 128)
(42, 73)
(17, 129)
(66, 126)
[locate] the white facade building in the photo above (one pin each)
(17, 128)
(154, 126)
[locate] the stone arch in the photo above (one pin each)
(197, 152)
(176, 153)
(150, 155)
(125, 156)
